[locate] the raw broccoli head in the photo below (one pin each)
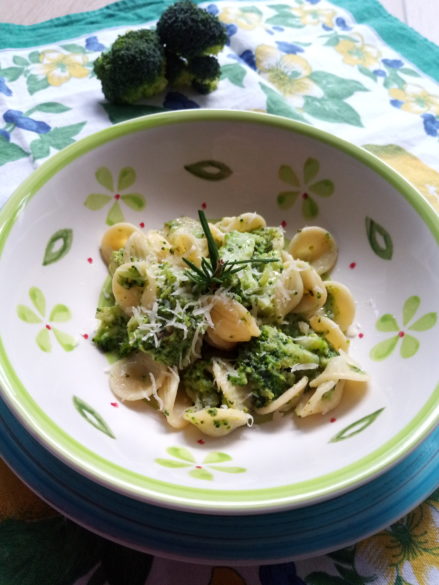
(133, 69)
(201, 73)
(188, 31)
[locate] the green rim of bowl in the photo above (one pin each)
(164, 493)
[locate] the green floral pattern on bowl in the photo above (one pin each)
(409, 343)
(58, 314)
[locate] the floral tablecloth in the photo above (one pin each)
(345, 66)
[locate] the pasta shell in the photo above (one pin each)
(342, 304)
(173, 404)
(234, 396)
(150, 245)
(330, 330)
(316, 246)
(115, 238)
(325, 398)
(287, 399)
(314, 291)
(288, 290)
(215, 341)
(127, 298)
(341, 367)
(136, 377)
(232, 322)
(246, 222)
(217, 422)
(149, 294)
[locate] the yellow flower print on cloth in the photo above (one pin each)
(425, 178)
(288, 73)
(403, 549)
(415, 99)
(356, 52)
(244, 18)
(59, 67)
(315, 16)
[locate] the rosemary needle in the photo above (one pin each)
(214, 271)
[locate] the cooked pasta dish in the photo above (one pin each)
(217, 322)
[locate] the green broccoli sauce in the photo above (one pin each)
(329, 307)
(252, 285)
(131, 277)
(199, 384)
(117, 259)
(112, 334)
(265, 363)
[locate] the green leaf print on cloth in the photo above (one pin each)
(56, 551)
(26, 123)
(48, 552)
(319, 94)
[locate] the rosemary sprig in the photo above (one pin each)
(214, 271)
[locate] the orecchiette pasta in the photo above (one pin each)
(326, 397)
(151, 245)
(234, 396)
(287, 399)
(231, 321)
(136, 377)
(216, 322)
(246, 222)
(114, 239)
(316, 246)
(314, 291)
(330, 330)
(217, 422)
(341, 305)
(289, 288)
(128, 284)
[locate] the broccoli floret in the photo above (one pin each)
(265, 364)
(189, 31)
(112, 335)
(201, 73)
(206, 73)
(133, 68)
(199, 384)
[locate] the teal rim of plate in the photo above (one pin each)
(330, 525)
(173, 495)
(402, 38)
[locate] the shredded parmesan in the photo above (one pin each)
(299, 367)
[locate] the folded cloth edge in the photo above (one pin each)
(401, 37)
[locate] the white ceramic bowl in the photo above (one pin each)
(54, 379)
